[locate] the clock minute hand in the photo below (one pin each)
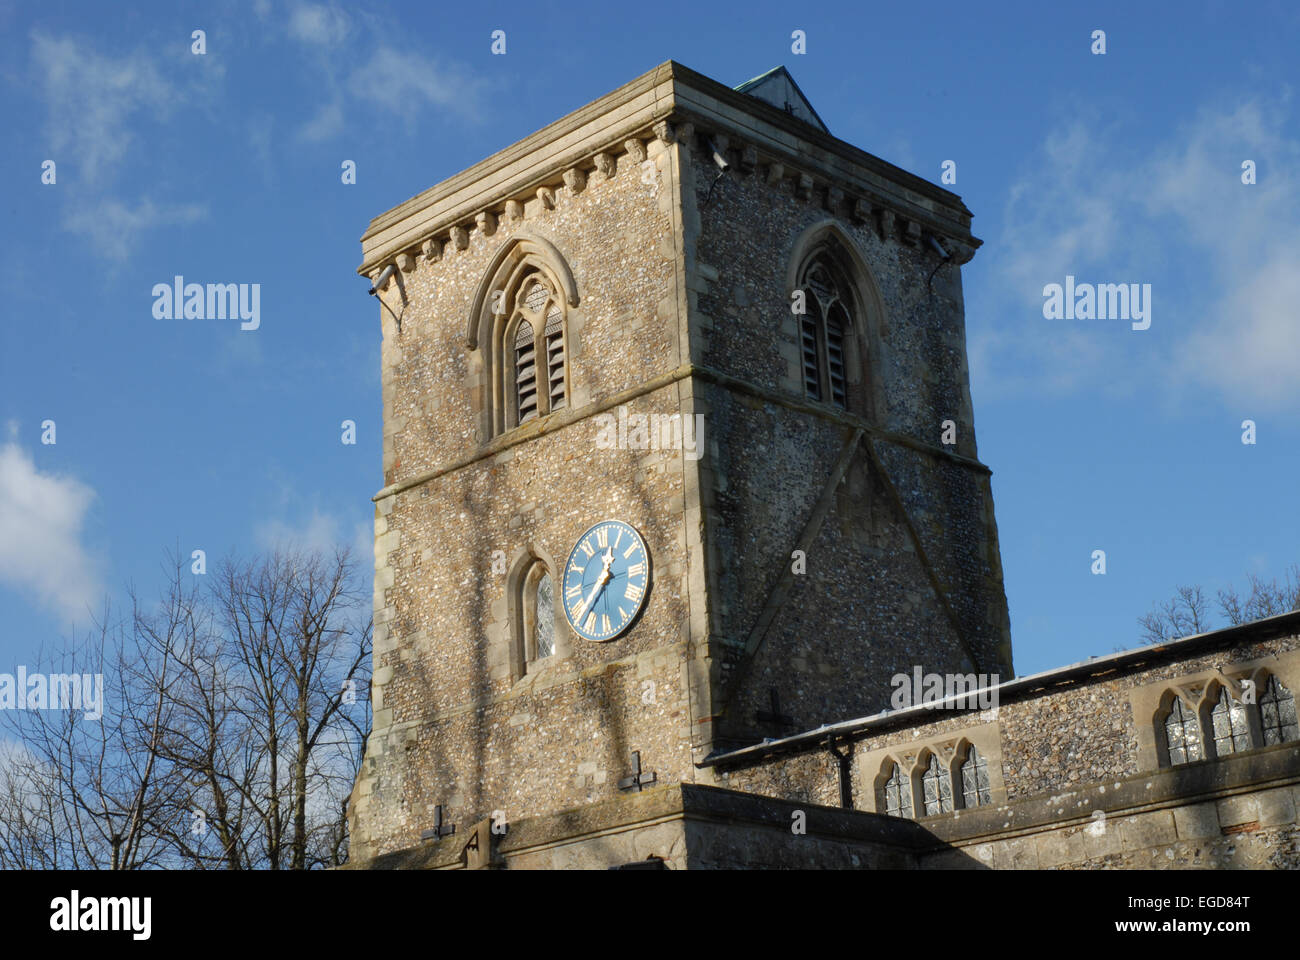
(601, 580)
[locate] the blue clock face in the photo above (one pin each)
(605, 580)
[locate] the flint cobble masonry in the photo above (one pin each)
(676, 289)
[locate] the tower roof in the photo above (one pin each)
(778, 88)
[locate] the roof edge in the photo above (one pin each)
(1280, 625)
(668, 92)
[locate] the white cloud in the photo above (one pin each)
(1220, 255)
(92, 98)
(395, 79)
(398, 81)
(113, 227)
(261, 137)
(327, 123)
(1249, 335)
(95, 105)
(322, 532)
(41, 553)
(1249, 349)
(318, 24)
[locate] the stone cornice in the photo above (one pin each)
(748, 120)
(520, 169)
(562, 154)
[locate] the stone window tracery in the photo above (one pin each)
(936, 788)
(523, 332)
(824, 329)
(975, 779)
(1278, 713)
(1229, 725)
(898, 793)
(536, 378)
(1211, 717)
(1182, 733)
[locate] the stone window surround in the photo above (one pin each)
(508, 345)
(913, 756)
(829, 241)
(488, 333)
(1200, 691)
(511, 653)
(821, 322)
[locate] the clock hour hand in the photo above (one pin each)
(601, 580)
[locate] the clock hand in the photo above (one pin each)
(601, 580)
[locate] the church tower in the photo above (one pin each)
(678, 455)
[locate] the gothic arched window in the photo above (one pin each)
(975, 779)
(521, 335)
(898, 793)
(533, 613)
(1230, 725)
(1277, 713)
(536, 376)
(936, 786)
(1182, 733)
(825, 332)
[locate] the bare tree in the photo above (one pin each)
(1184, 615)
(87, 788)
(1187, 613)
(233, 726)
(1265, 599)
(296, 659)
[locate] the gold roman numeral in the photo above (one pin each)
(632, 593)
(602, 537)
(587, 549)
(636, 570)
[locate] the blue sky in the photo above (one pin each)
(225, 167)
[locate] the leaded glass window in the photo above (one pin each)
(1231, 728)
(545, 617)
(898, 793)
(1277, 713)
(1182, 733)
(936, 787)
(823, 330)
(975, 779)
